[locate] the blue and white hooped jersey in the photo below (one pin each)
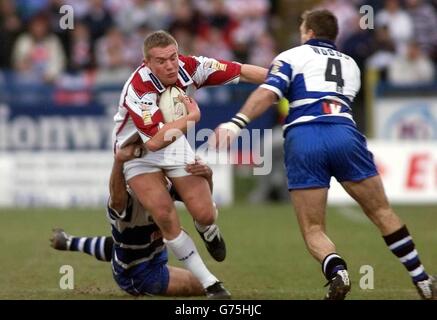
(137, 238)
(319, 82)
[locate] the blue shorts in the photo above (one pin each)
(316, 152)
(147, 278)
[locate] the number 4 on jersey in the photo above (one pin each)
(336, 76)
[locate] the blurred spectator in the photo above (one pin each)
(220, 19)
(252, 18)
(384, 54)
(135, 42)
(213, 46)
(187, 18)
(424, 19)
(263, 51)
(98, 19)
(10, 26)
(80, 48)
(153, 13)
(360, 44)
(399, 23)
(412, 68)
(29, 8)
(185, 41)
(112, 58)
(204, 7)
(242, 10)
(116, 6)
(110, 51)
(241, 50)
(377, 5)
(80, 7)
(38, 52)
(55, 15)
(53, 10)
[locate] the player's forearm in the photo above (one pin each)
(169, 133)
(253, 74)
(117, 187)
(258, 102)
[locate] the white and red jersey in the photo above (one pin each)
(138, 110)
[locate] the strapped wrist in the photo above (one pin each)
(240, 120)
(231, 126)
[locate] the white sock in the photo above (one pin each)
(185, 251)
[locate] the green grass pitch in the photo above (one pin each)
(266, 257)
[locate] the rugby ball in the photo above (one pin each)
(170, 105)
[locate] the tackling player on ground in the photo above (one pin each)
(136, 249)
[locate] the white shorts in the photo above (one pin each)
(171, 159)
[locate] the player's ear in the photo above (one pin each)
(311, 33)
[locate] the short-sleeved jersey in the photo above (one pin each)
(319, 82)
(137, 237)
(138, 110)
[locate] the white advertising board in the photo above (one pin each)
(70, 179)
(406, 119)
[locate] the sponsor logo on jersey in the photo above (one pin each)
(276, 66)
(216, 65)
(331, 107)
(146, 115)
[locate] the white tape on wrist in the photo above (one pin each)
(240, 120)
(231, 127)
(243, 117)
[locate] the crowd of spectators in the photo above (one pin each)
(105, 44)
(403, 44)
(107, 37)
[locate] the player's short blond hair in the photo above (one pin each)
(159, 39)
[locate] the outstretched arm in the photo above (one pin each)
(252, 74)
(257, 103)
